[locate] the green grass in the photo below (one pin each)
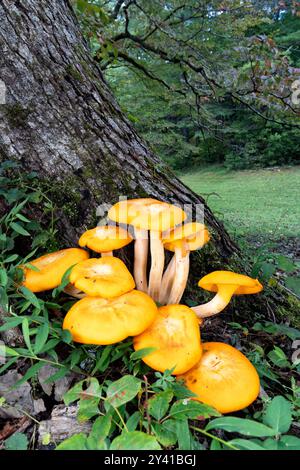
(259, 203)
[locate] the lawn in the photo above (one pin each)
(261, 203)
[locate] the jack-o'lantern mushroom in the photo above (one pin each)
(95, 320)
(105, 277)
(153, 216)
(225, 284)
(51, 268)
(223, 378)
(181, 240)
(175, 336)
(105, 239)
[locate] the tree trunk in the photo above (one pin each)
(62, 121)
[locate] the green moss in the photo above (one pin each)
(3, 154)
(273, 302)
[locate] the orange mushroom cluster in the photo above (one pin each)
(114, 304)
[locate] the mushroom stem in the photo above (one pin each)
(157, 264)
(166, 284)
(140, 259)
(182, 265)
(74, 292)
(107, 253)
(218, 303)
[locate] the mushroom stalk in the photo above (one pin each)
(157, 264)
(182, 265)
(107, 253)
(218, 303)
(140, 259)
(167, 280)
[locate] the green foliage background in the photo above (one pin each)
(204, 82)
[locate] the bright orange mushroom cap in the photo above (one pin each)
(106, 238)
(193, 235)
(51, 267)
(223, 378)
(105, 277)
(95, 320)
(245, 284)
(175, 335)
(147, 214)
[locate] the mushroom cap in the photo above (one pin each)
(52, 267)
(223, 378)
(147, 214)
(176, 336)
(192, 235)
(105, 277)
(94, 320)
(105, 238)
(246, 284)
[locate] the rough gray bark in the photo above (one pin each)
(61, 120)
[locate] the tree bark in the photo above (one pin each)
(62, 121)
